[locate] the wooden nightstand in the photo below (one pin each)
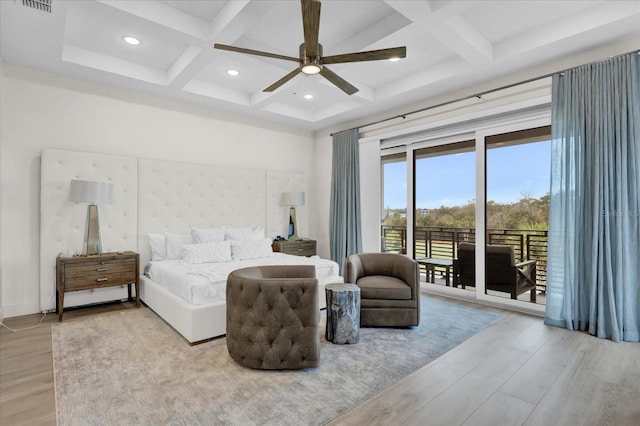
(97, 271)
(297, 247)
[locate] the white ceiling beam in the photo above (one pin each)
(289, 111)
(462, 38)
(416, 11)
(164, 15)
(446, 25)
(187, 66)
(336, 109)
(364, 93)
(110, 64)
(372, 34)
(258, 99)
(430, 76)
(226, 16)
(201, 88)
(236, 19)
(588, 20)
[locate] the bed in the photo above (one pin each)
(174, 198)
(185, 280)
(191, 298)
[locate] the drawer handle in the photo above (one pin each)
(102, 269)
(102, 279)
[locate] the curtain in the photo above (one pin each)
(345, 233)
(593, 275)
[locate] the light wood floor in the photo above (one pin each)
(517, 371)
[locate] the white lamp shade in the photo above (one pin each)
(84, 191)
(292, 199)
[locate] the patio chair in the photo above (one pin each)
(503, 274)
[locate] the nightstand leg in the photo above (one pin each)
(59, 304)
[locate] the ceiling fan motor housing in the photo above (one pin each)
(310, 65)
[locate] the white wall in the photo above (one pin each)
(41, 110)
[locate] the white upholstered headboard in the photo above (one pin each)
(154, 196)
(62, 222)
(173, 197)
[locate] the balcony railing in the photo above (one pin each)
(442, 242)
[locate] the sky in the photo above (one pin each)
(449, 180)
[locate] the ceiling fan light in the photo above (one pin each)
(310, 69)
(131, 40)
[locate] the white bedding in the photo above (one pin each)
(205, 283)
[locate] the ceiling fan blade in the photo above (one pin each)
(311, 25)
(338, 81)
(254, 52)
(282, 81)
(371, 55)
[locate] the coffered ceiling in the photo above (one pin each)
(450, 45)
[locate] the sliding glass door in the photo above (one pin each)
(430, 212)
(517, 208)
(445, 207)
(393, 212)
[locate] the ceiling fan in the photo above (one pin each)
(310, 58)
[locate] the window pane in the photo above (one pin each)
(518, 179)
(394, 204)
(445, 207)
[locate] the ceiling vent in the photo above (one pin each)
(43, 5)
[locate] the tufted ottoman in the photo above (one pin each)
(272, 317)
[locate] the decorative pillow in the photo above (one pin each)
(175, 243)
(158, 243)
(207, 235)
(219, 251)
(244, 234)
(251, 249)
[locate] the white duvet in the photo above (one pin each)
(206, 282)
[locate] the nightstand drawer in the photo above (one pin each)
(298, 248)
(100, 268)
(99, 280)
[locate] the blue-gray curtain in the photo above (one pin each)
(593, 276)
(345, 232)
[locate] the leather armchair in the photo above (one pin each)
(389, 288)
(273, 316)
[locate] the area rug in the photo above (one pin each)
(130, 368)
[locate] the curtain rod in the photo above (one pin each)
(480, 94)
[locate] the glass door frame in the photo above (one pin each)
(481, 194)
(508, 124)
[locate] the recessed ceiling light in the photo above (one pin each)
(131, 40)
(308, 96)
(233, 72)
(394, 59)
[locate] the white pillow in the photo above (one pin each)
(207, 235)
(158, 243)
(244, 234)
(251, 249)
(175, 243)
(219, 251)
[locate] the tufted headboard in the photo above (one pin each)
(62, 222)
(154, 196)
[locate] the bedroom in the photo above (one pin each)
(45, 110)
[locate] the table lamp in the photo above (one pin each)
(94, 193)
(292, 199)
